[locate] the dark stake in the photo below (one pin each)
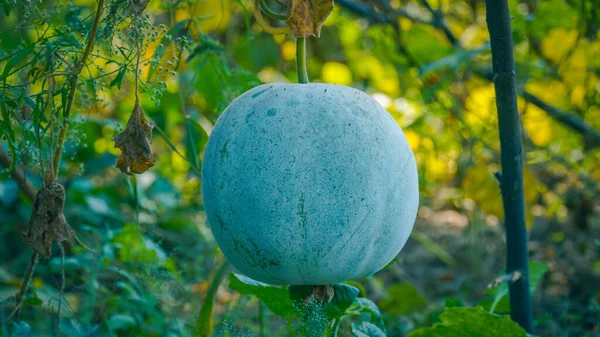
(511, 144)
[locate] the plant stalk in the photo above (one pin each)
(73, 82)
(301, 59)
(511, 144)
(25, 285)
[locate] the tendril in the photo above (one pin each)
(263, 23)
(271, 13)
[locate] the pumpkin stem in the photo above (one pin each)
(301, 59)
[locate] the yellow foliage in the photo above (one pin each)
(178, 163)
(427, 143)
(212, 15)
(437, 169)
(405, 24)
(557, 43)
(593, 117)
(538, 125)
(481, 186)
(474, 36)
(280, 38)
(574, 71)
(388, 84)
(335, 72)
(413, 139)
(288, 50)
(551, 92)
(349, 34)
(593, 52)
(578, 96)
(384, 77)
(367, 66)
(102, 145)
(332, 18)
(480, 106)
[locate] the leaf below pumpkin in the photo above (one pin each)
(305, 17)
(134, 143)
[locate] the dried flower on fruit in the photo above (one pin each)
(305, 17)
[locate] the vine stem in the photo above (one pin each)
(62, 284)
(511, 155)
(301, 59)
(25, 285)
(137, 62)
(73, 81)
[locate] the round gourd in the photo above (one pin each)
(309, 184)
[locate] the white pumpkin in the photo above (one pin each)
(309, 184)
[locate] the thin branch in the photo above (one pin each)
(365, 11)
(62, 284)
(73, 87)
(569, 119)
(438, 22)
(64, 60)
(18, 174)
(24, 285)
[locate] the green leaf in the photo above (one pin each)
(275, 298)
(6, 7)
(174, 148)
(11, 149)
(499, 303)
(369, 306)
(366, 329)
(15, 59)
(452, 61)
(121, 322)
(204, 323)
(33, 301)
(402, 299)
(196, 139)
(452, 302)
(433, 247)
(471, 322)
(119, 78)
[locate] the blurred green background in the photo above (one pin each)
(427, 63)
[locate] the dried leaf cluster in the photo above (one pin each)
(135, 143)
(47, 222)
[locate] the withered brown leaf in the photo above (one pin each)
(321, 294)
(47, 222)
(135, 143)
(305, 17)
